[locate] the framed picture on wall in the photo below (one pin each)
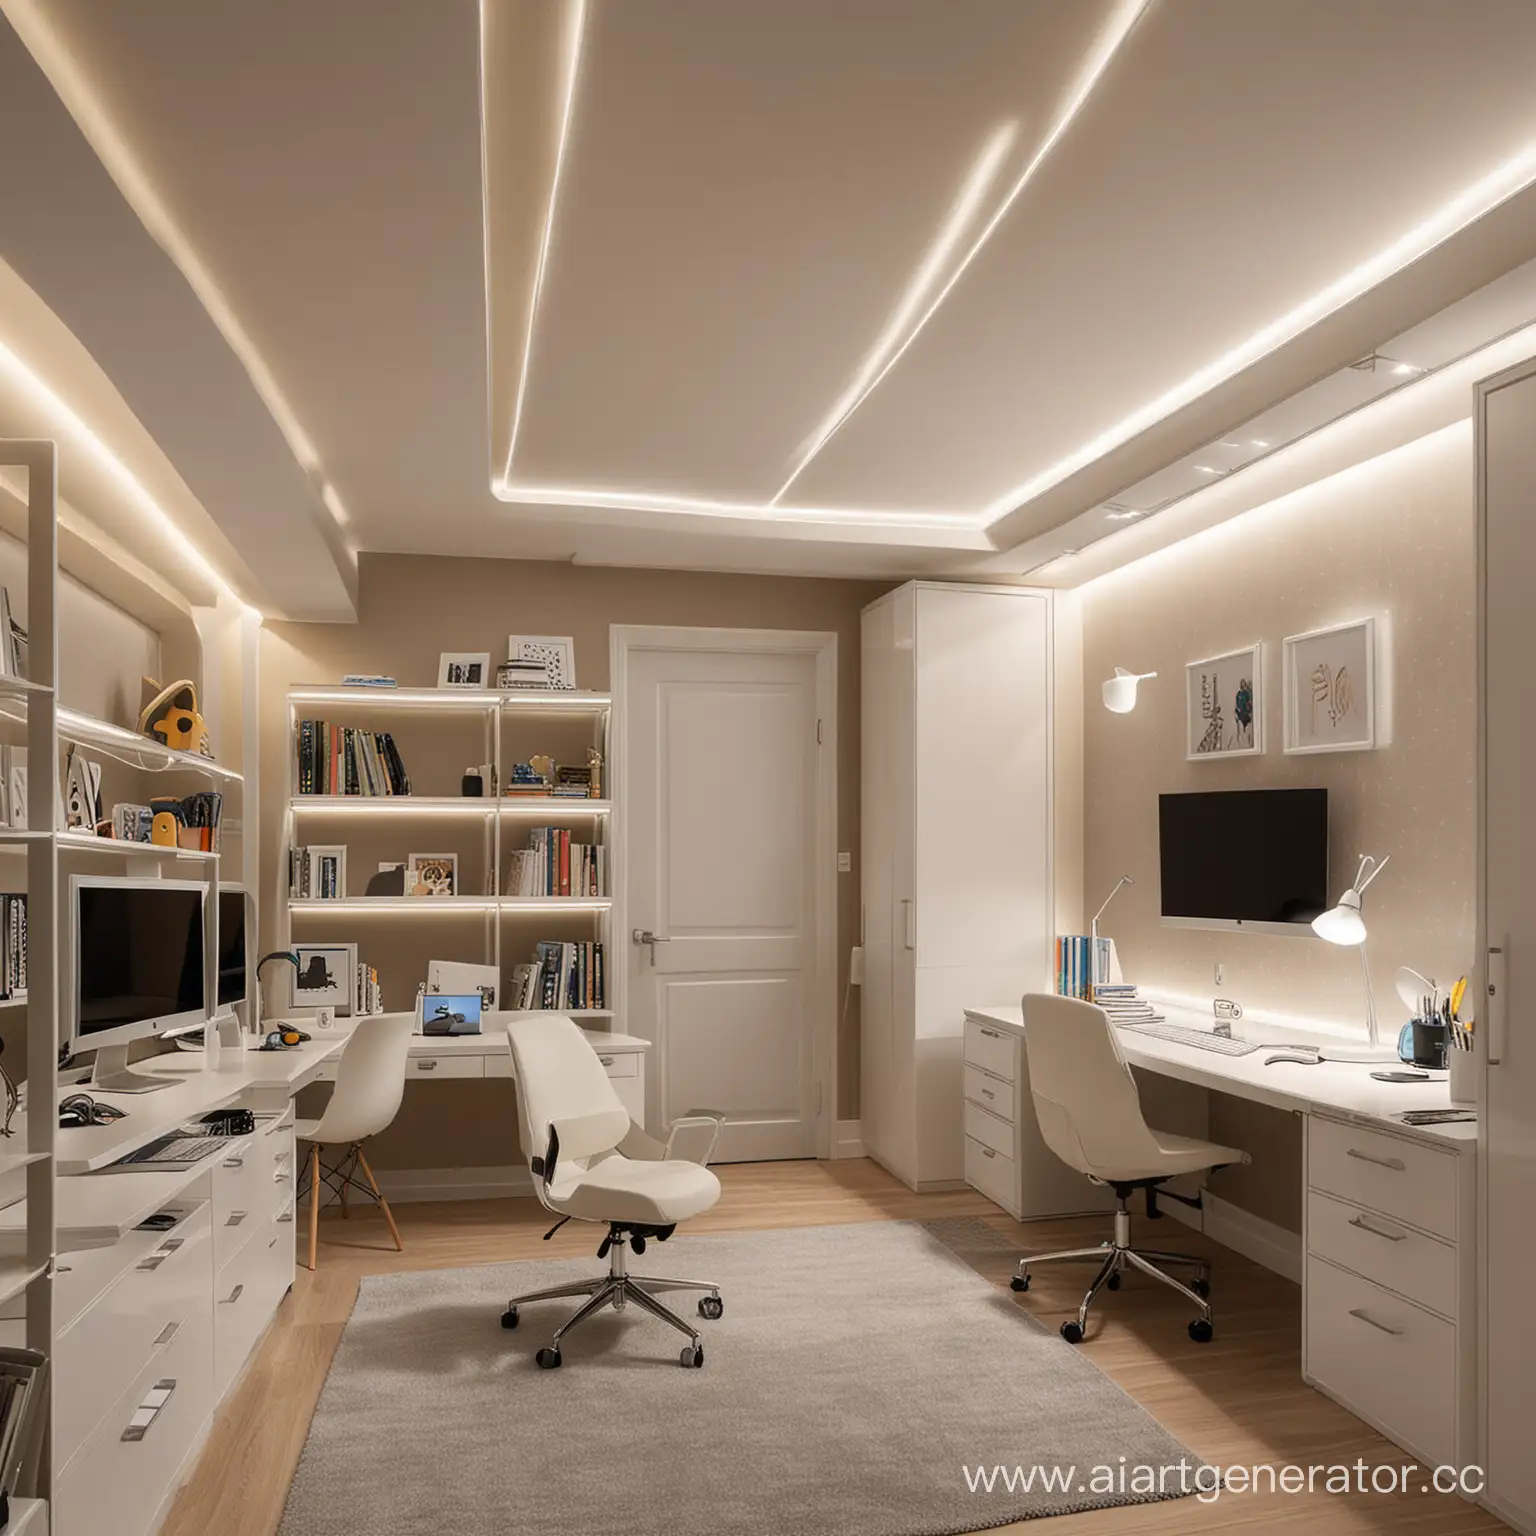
(324, 976)
(1224, 698)
(1330, 689)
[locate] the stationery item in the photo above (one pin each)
(1429, 1043)
(1400, 1075)
(367, 680)
(1437, 1116)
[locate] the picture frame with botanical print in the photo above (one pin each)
(1330, 689)
(324, 977)
(1224, 699)
(430, 875)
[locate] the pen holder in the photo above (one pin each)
(1431, 1042)
(1463, 1082)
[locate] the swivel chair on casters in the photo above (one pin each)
(1090, 1117)
(591, 1162)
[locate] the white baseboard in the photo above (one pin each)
(406, 1184)
(1230, 1225)
(848, 1139)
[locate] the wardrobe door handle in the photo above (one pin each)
(1365, 1317)
(908, 923)
(148, 1411)
(1396, 1164)
(1365, 1226)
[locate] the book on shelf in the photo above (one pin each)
(13, 946)
(368, 995)
(1082, 963)
(347, 760)
(553, 865)
(317, 874)
(562, 977)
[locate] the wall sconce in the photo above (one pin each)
(1120, 690)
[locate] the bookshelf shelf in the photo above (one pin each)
(85, 842)
(15, 1276)
(393, 805)
(464, 701)
(22, 688)
(87, 731)
(374, 906)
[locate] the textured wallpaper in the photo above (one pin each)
(1393, 538)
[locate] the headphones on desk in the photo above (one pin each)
(283, 1038)
(80, 1109)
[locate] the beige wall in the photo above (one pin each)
(412, 608)
(1391, 537)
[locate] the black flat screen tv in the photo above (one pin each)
(1244, 858)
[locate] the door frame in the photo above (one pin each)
(625, 640)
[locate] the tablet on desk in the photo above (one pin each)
(450, 1013)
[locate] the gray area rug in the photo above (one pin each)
(857, 1373)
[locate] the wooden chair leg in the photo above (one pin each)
(314, 1205)
(378, 1195)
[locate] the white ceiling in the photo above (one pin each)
(704, 230)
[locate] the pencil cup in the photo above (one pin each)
(1463, 1068)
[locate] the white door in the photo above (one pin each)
(722, 840)
(1508, 921)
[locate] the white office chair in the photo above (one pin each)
(370, 1082)
(591, 1162)
(1090, 1117)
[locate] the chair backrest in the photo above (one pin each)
(559, 1078)
(1085, 1097)
(370, 1079)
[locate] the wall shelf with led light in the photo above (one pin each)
(478, 924)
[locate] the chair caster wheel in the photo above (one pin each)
(692, 1356)
(1201, 1330)
(1201, 1287)
(1019, 1283)
(1113, 1283)
(548, 1359)
(1072, 1332)
(509, 1318)
(711, 1307)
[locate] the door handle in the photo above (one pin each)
(908, 926)
(1498, 999)
(649, 939)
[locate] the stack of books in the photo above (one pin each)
(552, 865)
(368, 996)
(1119, 1000)
(562, 977)
(316, 874)
(1082, 963)
(344, 760)
(13, 946)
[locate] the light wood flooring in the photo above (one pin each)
(1237, 1401)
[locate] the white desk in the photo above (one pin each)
(1389, 1280)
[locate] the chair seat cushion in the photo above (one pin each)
(619, 1188)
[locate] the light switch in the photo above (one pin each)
(845, 863)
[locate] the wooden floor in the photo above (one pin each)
(1237, 1401)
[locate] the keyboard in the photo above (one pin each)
(1201, 1039)
(173, 1151)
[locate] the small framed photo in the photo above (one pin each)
(1225, 705)
(1330, 689)
(432, 874)
(555, 653)
(464, 669)
(324, 977)
(318, 872)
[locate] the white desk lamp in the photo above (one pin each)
(1120, 690)
(1344, 925)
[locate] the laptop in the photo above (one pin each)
(450, 1013)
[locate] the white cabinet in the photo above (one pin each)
(956, 852)
(1505, 422)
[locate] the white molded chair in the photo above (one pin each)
(591, 1161)
(370, 1082)
(1090, 1116)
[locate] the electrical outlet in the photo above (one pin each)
(845, 863)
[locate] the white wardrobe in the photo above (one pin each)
(1506, 498)
(956, 856)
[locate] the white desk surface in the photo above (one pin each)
(1332, 1087)
(491, 1041)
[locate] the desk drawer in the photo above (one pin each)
(117, 1485)
(990, 1093)
(242, 1194)
(992, 1172)
(444, 1066)
(1385, 1358)
(1419, 1267)
(989, 1130)
(1386, 1173)
(245, 1295)
(992, 1049)
(98, 1356)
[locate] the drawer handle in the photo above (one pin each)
(233, 1296)
(236, 1217)
(282, 1177)
(148, 1411)
(987, 1093)
(168, 1333)
(234, 1162)
(428, 1065)
(607, 1061)
(1396, 1164)
(287, 1214)
(1365, 1226)
(988, 1152)
(1365, 1317)
(991, 1034)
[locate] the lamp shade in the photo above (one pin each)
(1342, 924)
(1120, 690)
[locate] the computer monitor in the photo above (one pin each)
(234, 906)
(139, 969)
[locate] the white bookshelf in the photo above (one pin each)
(508, 926)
